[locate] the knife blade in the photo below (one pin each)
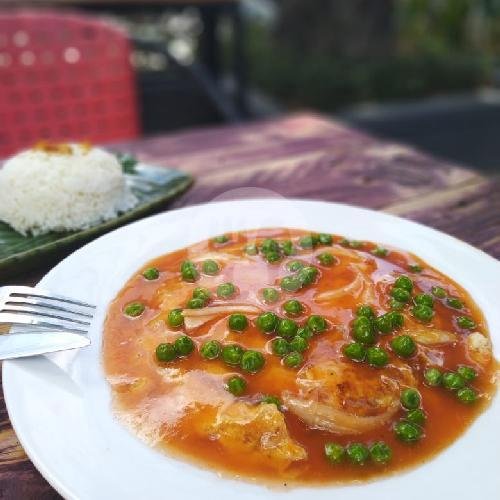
(34, 342)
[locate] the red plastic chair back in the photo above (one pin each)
(64, 76)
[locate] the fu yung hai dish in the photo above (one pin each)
(291, 357)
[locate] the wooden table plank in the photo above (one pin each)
(303, 156)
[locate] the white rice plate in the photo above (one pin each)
(44, 191)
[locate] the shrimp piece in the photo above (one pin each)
(336, 397)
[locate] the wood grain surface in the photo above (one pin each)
(303, 156)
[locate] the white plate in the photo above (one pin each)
(59, 405)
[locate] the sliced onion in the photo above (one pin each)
(218, 257)
(216, 310)
(345, 252)
(193, 318)
(432, 336)
(354, 288)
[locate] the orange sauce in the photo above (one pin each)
(178, 418)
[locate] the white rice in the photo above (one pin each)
(42, 191)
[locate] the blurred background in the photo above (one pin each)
(426, 72)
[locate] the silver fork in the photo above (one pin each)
(42, 322)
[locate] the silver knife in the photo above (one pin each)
(33, 342)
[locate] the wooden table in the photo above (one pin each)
(302, 156)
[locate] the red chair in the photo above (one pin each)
(64, 76)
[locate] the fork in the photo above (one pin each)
(43, 322)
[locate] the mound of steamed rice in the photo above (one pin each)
(63, 188)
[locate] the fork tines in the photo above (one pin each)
(31, 306)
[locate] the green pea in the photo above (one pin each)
(295, 265)
(184, 346)
(280, 347)
(466, 322)
(397, 319)
(307, 275)
(363, 330)
(189, 272)
(134, 309)
(202, 293)
(396, 305)
(232, 354)
(299, 344)
(453, 381)
(365, 310)
(175, 318)
(307, 241)
(415, 268)
(404, 282)
(383, 324)
(293, 307)
(237, 322)
(401, 295)
(410, 399)
(467, 373)
(467, 395)
(317, 324)
(357, 453)
(325, 239)
(291, 283)
(287, 247)
(270, 295)
(433, 377)
(355, 351)
(270, 245)
(236, 385)
(252, 361)
(211, 349)
(389, 321)
(269, 399)
(326, 259)
(380, 252)
(377, 357)
(287, 328)
(305, 332)
(438, 292)
(226, 290)
(267, 322)
(251, 249)
(165, 352)
(423, 313)
(355, 244)
(195, 303)
(404, 346)
(380, 453)
(272, 257)
(151, 273)
(423, 299)
(407, 431)
(210, 267)
(454, 302)
(293, 359)
(416, 416)
(223, 238)
(334, 453)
